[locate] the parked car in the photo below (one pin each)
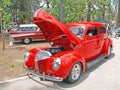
(118, 31)
(75, 47)
(26, 33)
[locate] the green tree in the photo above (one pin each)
(73, 10)
(78, 10)
(98, 9)
(4, 18)
(21, 11)
(81, 10)
(4, 11)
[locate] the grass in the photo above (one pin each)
(11, 59)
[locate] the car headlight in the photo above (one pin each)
(26, 56)
(56, 63)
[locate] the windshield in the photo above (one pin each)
(78, 31)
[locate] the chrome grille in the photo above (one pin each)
(42, 55)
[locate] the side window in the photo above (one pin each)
(34, 28)
(21, 29)
(25, 29)
(92, 32)
(102, 30)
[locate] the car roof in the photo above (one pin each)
(90, 24)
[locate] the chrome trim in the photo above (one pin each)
(43, 76)
(36, 66)
(26, 56)
(11, 41)
(41, 54)
(21, 35)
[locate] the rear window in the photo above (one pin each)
(92, 31)
(102, 30)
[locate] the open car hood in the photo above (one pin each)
(52, 28)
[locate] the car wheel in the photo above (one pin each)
(109, 51)
(27, 40)
(75, 73)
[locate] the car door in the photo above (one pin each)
(100, 39)
(90, 43)
(38, 34)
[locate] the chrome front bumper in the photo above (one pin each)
(43, 76)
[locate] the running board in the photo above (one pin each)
(95, 61)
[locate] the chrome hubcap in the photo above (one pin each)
(26, 40)
(76, 71)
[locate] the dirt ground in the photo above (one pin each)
(11, 59)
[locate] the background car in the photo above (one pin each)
(26, 33)
(118, 31)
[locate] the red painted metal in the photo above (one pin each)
(76, 49)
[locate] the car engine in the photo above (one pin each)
(55, 49)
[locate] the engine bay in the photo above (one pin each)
(55, 49)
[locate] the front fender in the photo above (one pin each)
(68, 59)
(33, 52)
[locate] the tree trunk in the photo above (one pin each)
(47, 4)
(103, 10)
(88, 10)
(22, 9)
(61, 11)
(3, 33)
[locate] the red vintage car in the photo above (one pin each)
(74, 48)
(26, 33)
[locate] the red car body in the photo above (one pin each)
(73, 48)
(26, 33)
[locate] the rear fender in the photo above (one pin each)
(107, 43)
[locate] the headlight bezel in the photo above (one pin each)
(56, 64)
(26, 56)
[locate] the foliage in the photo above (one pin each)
(21, 11)
(4, 12)
(73, 11)
(54, 10)
(78, 10)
